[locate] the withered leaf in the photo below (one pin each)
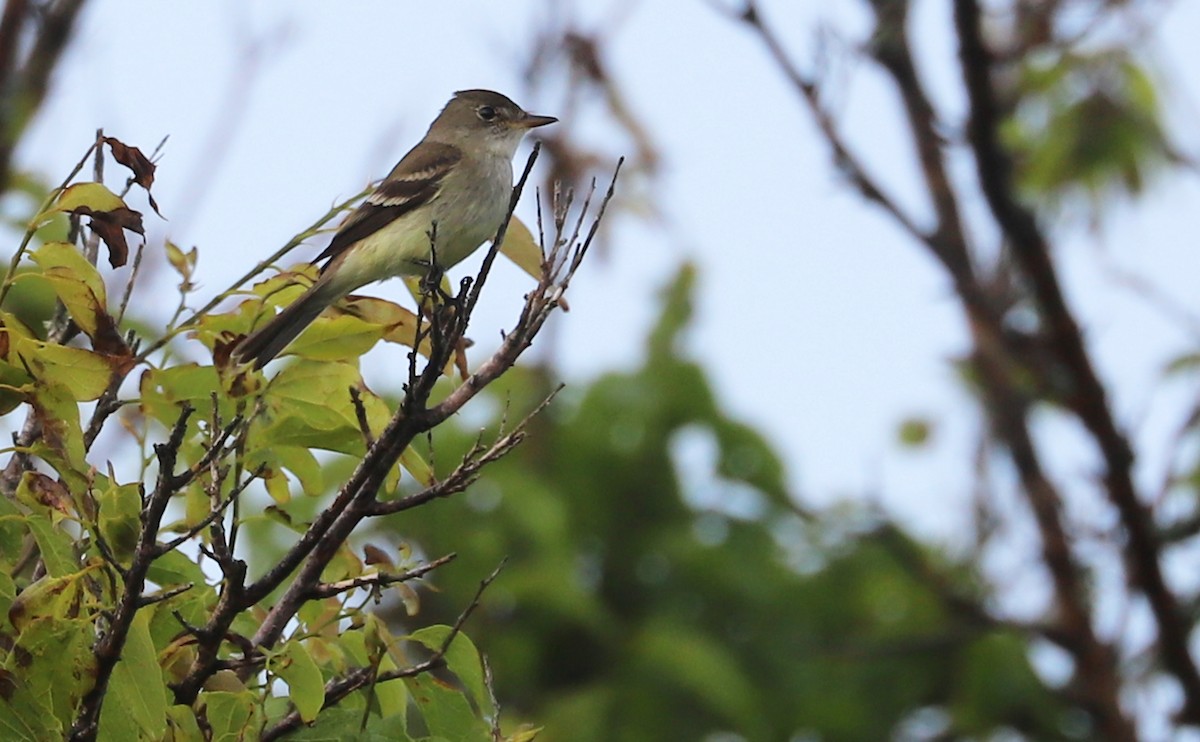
(138, 164)
(48, 492)
(110, 225)
(107, 339)
(374, 555)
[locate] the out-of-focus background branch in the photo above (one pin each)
(805, 481)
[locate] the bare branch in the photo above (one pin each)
(467, 471)
(329, 589)
(360, 414)
(111, 643)
(1089, 399)
(336, 690)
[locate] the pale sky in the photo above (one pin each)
(819, 322)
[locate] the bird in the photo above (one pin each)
(454, 185)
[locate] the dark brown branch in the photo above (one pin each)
(159, 597)
(1096, 663)
(845, 160)
(111, 643)
(23, 84)
(467, 471)
(360, 414)
(339, 688)
(1089, 398)
(891, 49)
(354, 499)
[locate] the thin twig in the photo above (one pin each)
(329, 589)
(337, 689)
(313, 229)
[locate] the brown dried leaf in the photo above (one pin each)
(374, 555)
(138, 164)
(111, 226)
(47, 492)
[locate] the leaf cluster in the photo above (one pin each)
(138, 601)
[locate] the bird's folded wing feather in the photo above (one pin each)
(414, 181)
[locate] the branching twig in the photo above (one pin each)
(329, 589)
(1089, 400)
(467, 471)
(319, 544)
(360, 414)
(336, 690)
(314, 229)
(110, 645)
(213, 514)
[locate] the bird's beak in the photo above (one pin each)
(532, 121)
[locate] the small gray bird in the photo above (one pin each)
(458, 177)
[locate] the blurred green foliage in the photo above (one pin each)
(1087, 124)
(638, 605)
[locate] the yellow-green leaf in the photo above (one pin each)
(80, 288)
(56, 547)
(83, 373)
(520, 247)
(48, 598)
(62, 258)
(56, 410)
(416, 465)
(342, 338)
(463, 660)
(120, 519)
(231, 715)
(305, 685)
(136, 690)
(57, 663)
(92, 196)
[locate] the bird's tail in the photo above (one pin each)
(269, 340)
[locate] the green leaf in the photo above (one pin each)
(56, 409)
(183, 725)
(416, 465)
(15, 384)
(175, 568)
(162, 390)
(77, 284)
(24, 717)
(520, 247)
(306, 688)
(343, 338)
(446, 711)
(92, 196)
(343, 725)
(55, 662)
(137, 690)
(309, 404)
(120, 519)
(463, 660)
(232, 716)
(57, 548)
(297, 459)
(83, 373)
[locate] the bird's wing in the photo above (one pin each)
(414, 181)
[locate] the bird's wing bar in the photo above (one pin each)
(414, 181)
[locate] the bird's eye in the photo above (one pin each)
(487, 113)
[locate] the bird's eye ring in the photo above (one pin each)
(487, 113)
